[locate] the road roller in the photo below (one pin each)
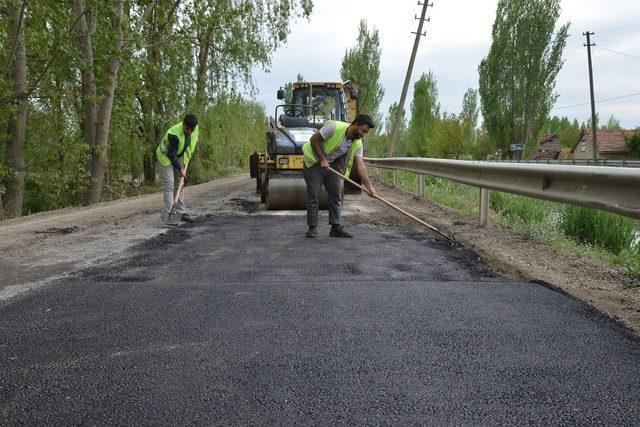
(278, 170)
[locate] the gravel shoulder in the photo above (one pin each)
(39, 248)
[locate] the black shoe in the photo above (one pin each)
(187, 218)
(312, 232)
(338, 231)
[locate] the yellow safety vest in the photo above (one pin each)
(163, 147)
(331, 144)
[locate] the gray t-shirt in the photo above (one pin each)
(343, 147)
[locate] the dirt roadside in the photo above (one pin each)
(39, 248)
(609, 288)
(57, 243)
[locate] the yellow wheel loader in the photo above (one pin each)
(278, 170)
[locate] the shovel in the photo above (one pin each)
(174, 218)
(402, 211)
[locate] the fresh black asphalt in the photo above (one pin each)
(239, 319)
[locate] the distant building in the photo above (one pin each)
(611, 145)
(548, 148)
(515, 151)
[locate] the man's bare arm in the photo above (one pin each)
(316, 141)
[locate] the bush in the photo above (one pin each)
(603, 229)
(633, 143)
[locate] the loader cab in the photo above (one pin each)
(312, 104)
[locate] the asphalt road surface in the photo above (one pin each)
(239, 319)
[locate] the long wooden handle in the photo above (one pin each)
(388, 203)
(180, 187)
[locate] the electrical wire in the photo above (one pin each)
(597, 102)
(620, 53)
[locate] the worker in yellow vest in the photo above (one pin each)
(339, 145)
(174, 152)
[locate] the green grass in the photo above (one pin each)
(519, 208)
(611, 232)
(582, 231)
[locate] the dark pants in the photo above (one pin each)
(316, 177)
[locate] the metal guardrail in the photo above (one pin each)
(600, 162)
(614, 189)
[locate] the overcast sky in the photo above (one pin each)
(458, 37)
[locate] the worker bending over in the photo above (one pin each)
(337, 145)
(174, 152)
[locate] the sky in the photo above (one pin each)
(458, 38)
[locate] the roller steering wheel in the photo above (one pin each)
(294, 112)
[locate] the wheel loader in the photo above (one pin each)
(278, 170)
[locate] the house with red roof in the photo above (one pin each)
(611, 145)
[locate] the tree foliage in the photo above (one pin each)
(469, 114)
(568, 131)
(288, 88)
(363, 62)
(612, 124)
(104, 80)
(450, 140)
(633, 143)
(517, 77)
(425, 111)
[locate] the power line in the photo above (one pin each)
(597, 102)
(620, 53)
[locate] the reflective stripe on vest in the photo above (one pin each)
(178, 131)
(331, 144)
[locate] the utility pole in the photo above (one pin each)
(407, 79)
(594, 139)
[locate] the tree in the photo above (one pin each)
(425, 111)
(612, 124)
(633, 143)
(102, 80)
(16, 66)
(363, 62)
(450, 138)
(100, 64)
(288, 88)
(469, 114)
(567, 131)
(518, 76)
(231, 37)
(377, 144)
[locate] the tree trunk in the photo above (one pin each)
(152, 106)
(97, 121)
(199, 104)
(14, 151)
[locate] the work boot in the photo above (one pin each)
(312, 232)
(187, 218)
(338, 231)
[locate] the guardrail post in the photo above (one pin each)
(624, 163)
(484, 206)
(395, 177)
(421, 185)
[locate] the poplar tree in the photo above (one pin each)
(469, 114)
(518, 76)
(425, 112)
(363, 62)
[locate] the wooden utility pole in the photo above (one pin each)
(594, 139)
(407, 78)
